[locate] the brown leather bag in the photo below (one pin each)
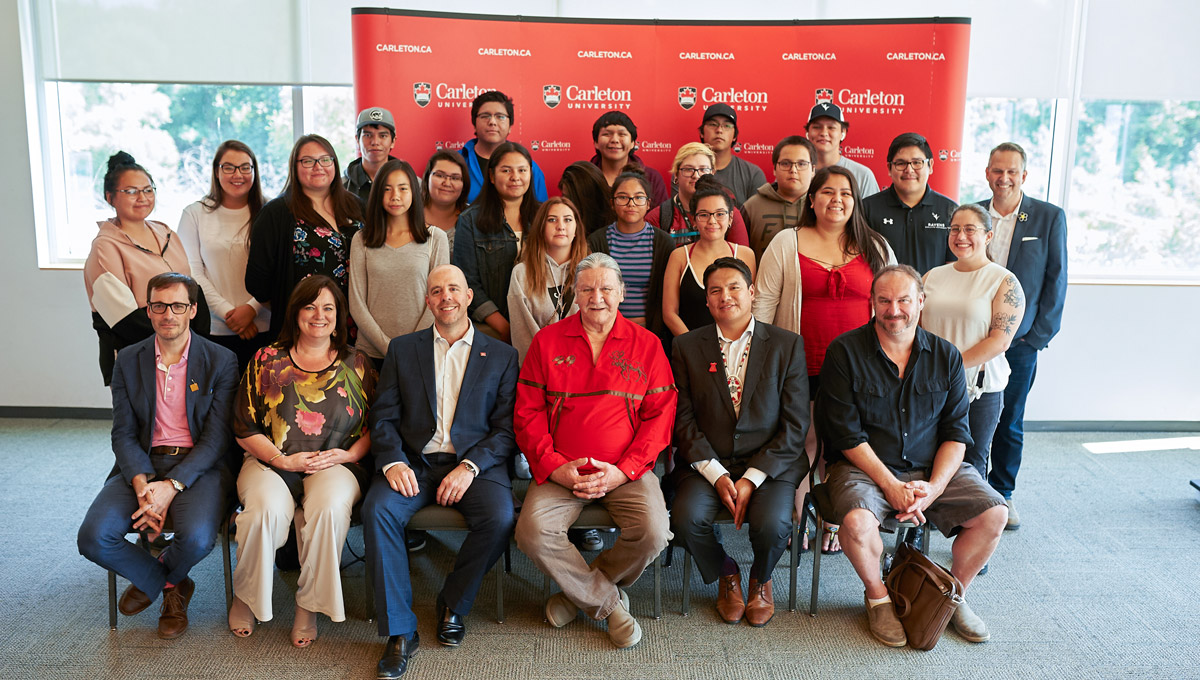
(925, 594)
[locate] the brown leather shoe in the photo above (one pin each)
(761, 605)
(132, 601)
(731, 605)
(173, 620)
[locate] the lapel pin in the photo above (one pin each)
(712, 368)
(1023, 217)
(483, 354)
(195, 387)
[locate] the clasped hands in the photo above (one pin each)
(592, 485)
(735, 496)
(911, 499)
(309, 462)
(154, 498)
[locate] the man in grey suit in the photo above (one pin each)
(739, 428)
(1031, 242)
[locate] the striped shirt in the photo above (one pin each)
(635, 254)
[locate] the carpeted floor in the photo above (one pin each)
(1100, 582)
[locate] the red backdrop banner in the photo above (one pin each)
(889, 76)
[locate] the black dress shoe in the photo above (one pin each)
(451, 628)
(414, 540)
(917, 537)
(396, 655)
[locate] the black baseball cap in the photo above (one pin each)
(826, 110)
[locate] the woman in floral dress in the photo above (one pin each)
(305, 231)
(301, 417)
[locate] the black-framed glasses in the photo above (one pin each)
(718, 215)
(489, 117)
(230, 168)
(689, 171)
(794, 165)
(145, 191)
(635, 200)
(443, 177)
(175, 307)
(714, 125)
(325, 161)
(915, 164)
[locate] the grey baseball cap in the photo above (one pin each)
(376, 116)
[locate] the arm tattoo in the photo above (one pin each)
(1004, 322)
(1013, 296)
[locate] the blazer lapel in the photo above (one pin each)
(196, 370)
(148, 367)
(1020, 230)
(475, 361)
(425, 360)
(710, 350)
(754, 364)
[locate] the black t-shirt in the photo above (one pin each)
(483, 162)
(918, 235)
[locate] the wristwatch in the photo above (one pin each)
(177, 484)
(471, 466)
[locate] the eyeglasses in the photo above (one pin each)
(325, 161)
(969, 231)
(443, 177)
(788, 166)
(635, 200)
(489, 117)
(718, 215)
(916, 164)
(714, 125)
(147, 191)
(230, 168)
(689, 171)
(175, 307)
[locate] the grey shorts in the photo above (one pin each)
(966, 496)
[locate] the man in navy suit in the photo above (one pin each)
(441, 432)
(172, 395)
(1031, 242)
(740, 428)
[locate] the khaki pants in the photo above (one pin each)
(637, 508)
(322, 522)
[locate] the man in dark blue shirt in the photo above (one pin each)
(893, 411)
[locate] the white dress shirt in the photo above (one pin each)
(731, 351)
(1002, 228)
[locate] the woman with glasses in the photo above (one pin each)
(584, 185)
(684, 300)
(693, 161)
(216, 233)
(301, 418)
(826, 264)
(128, 251)
(977, 305)
(305, 231)
(390, 259)
(444, 193)
(639, 247)
(488, 236)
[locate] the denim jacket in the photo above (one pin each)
(487, 261)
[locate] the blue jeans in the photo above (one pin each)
(983, 416)
(195, 514)
(1010, 432)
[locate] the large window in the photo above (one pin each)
(990, 121)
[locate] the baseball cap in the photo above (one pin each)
(720, 110)
(827, 110)
(376, 116)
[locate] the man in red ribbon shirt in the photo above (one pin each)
(595, 407)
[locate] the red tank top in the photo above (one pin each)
(833, 302)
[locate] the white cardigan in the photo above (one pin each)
(777, 296)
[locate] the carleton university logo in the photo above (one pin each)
(824, 95)
(552, 95)
(422, 94)
(943, 155)
(687, 97)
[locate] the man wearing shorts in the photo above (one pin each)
(893, 409)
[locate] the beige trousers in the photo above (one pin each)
(322, 521)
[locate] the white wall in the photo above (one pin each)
(1126, 352)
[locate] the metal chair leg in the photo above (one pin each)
(658, 587)
(369, 586)
(816, 551)
(112, 600)
(685, 607)
(793, 567)
(225, 559)
(500, 579)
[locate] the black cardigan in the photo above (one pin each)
(663, 245)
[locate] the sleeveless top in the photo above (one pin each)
(958, 307)
(693, 299)
(834, 301)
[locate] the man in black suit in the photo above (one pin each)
(1031, 242)
(441, 432)
(172, 397)
(740, 427)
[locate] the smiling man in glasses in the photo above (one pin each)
(777, 206)
(492, 116)
(172, 395)
(913, 218)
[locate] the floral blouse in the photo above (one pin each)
(321, 250)
(302, 411)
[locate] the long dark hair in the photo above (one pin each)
(216, 194)
(533, 254)
(584, 184)
(457, 159)
(376, 224)
(346, 208)
(304, 293)
(491, 205)
(118, 164)
(858, 237)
